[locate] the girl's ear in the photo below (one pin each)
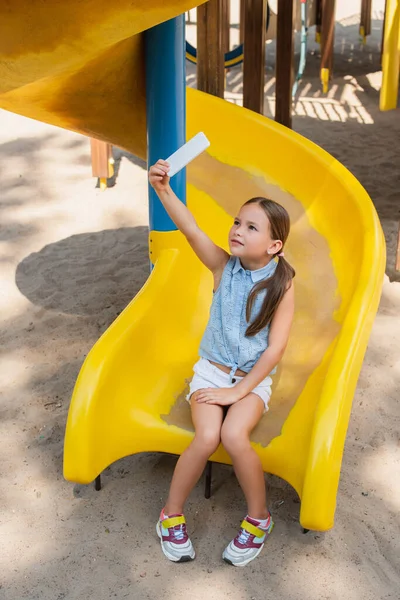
(275, 247)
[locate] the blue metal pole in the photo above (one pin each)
(165, 107)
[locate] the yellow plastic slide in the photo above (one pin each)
(86, 74)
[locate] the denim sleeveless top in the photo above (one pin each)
(224, 339)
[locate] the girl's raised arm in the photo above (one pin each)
(211, 255)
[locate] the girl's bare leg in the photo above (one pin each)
(207, 420)
(240, 421)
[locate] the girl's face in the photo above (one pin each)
(250, 236)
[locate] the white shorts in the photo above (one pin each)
(207, 375)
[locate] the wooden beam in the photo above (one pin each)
(226, 25)
(327, 40)
(284, 63)
(365, 20)
(242, 14)
(210, 59)
(318, 21)
(254, 55)
(101, 155)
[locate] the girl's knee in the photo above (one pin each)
(234, 439)
(208, 439)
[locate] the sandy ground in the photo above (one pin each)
(71, 259)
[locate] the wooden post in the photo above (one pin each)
(254, 55)
(365, 20)
(242, 15)
(226, 25)
(102, 161)
(284, 63)
(318, 21)
(398, 251)
(327, 39)
(210, 59)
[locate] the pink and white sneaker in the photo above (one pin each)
(248, 543)
(175, 542)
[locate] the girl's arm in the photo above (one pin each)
(278, 339)
(211, 255)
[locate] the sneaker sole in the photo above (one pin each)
(246, 562)
(171, 557)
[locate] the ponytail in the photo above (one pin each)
(275, 286)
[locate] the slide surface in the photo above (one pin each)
(129, 396)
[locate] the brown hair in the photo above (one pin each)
(276, 285)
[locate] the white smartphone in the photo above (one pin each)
(186, 153)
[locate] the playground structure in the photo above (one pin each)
(259, 21)
(295, 15)
(129, 394)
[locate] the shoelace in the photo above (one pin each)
(179, 531)
(243, 536)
